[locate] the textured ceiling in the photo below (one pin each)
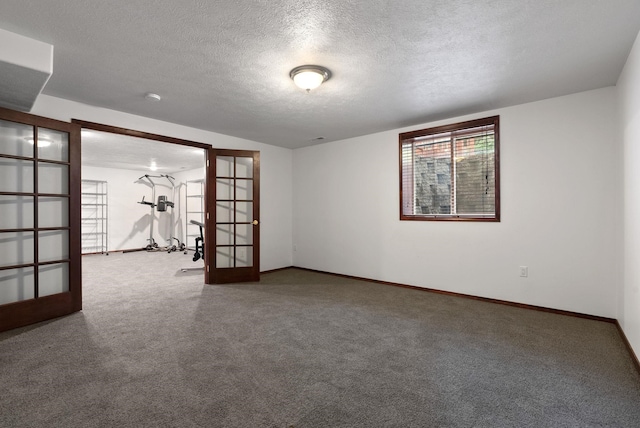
(224, 65)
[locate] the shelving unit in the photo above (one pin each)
(95, 211)
(194, 210)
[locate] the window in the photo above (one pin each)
(451, 172)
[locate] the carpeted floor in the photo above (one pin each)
(154, 347)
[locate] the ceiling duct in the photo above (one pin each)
(25, 67)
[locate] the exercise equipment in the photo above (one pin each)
(199, 246)
(163, 205)
(152, 245)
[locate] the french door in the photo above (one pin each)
(40, 271)
(233, 235)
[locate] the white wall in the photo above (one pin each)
(275, 168)
(629, 96)
(560, 197)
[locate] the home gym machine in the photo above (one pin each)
(152, 245)
(162, 204)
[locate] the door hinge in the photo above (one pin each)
(207, 162)
(207, 216)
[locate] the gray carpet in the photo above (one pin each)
(154, 347)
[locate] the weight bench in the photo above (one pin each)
(199, 246)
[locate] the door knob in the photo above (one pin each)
(255, 222)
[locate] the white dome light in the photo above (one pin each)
(309, 77)
(152, 97)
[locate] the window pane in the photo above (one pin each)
(244, 189)
(16, 139)
(53, 145)
(224, 212)
(244, 256)
(53, 245)
(432, 177)
(53, 279)
(16, 285)
(244, 234)
(224, 257)
(244, 167)
(17, 248)
(224, 188)
(244, 212)
(53, 212)
(16, 212)
(407, 179)
(16, 175)
(224, 234)
(224, 166)
(53, 178)
(475, 175)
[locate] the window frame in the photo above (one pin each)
(460, 126)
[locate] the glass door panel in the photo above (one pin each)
(224, 211)
(244, 189)
(16, 212)
(244, 212)
(224, 234)
(244, 167)
(53, 178)
(244, 234)
(17, 248)
(53, 145)
(16, 175)
(244, 257)
(16, 139)
(224, 166)
(53, 245)
(17, 285)
(224, 188)
(53, 211)
(53, 279)
(224, 257)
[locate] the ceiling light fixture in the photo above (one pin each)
(152, 97)
(309, 77)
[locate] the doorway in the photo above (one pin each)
(219, 208)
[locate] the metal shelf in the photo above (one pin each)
(194, 204)
(94, 202)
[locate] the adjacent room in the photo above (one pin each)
(320, 214)
(140, 195)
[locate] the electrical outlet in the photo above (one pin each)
(524, 271)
